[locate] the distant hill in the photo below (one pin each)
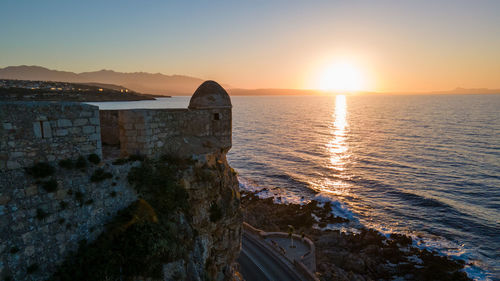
(273, 92)
(142, 82)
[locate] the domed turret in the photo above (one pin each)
(210, 95)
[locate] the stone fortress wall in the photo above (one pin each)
(39, 227)
(46, 131)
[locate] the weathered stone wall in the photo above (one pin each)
(46, 131)
(110, 131)
(38, 229)
(153, 132)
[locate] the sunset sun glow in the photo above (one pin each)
(342, 77)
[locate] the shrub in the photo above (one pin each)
(41, 170)
(134, 245)
(100, 175)
(41, 214)
(81, 163)
(215, 212)
(120, 161)
(157, 181)
(63, 205)
(136, 157)
(79, 197)
(14, 250)
(67, 164)
(32, 268)
(50, 185)
(94, 158)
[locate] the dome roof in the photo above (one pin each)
(210, 95)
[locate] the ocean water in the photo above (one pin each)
(427, 166)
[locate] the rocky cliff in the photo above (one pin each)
(186, 225)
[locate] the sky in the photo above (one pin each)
(394, 45)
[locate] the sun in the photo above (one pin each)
(342, 77)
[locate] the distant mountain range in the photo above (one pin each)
(141, 82)
(160, 84)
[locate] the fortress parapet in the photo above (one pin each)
(51, 131)
(47, 131)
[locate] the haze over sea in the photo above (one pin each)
(428, 165)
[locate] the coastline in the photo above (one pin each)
(342, 255)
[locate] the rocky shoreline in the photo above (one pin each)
(363, 256)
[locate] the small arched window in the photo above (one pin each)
(216, 116)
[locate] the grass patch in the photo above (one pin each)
(94, 159)
(100, 175)
(50, 185)
(40, 170)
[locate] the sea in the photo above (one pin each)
(423, 165)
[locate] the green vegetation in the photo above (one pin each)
(61, 220)
(67, 164)
(89, 202)
(50, 185)
(41, 170)
(215, 212)
(79, 197)
(63, 205)
(136, 243)
(14, 250)
(120, 161)
(100, 175)
(158, 181)
(112, 194)
(145, 235)
(32, 268)
(94, 158)
(41, 214)
(81, 163)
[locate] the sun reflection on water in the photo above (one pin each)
(337, 149)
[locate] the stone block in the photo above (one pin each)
(64, 123)
(80, 122)
(47, 131)
(88, 130)
(7, 126)
(94, 137)
(17, 154)
(62, 132)
(37, 129)
(94, 121)
(31, 190)
(75, 130)
(4, 199)
(29, 251)
(13, 165)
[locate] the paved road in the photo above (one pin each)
(258, 263)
